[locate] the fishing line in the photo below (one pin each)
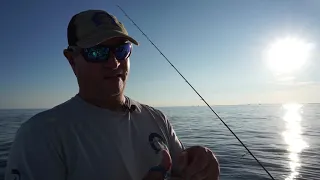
(196, 92)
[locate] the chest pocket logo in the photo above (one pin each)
(158, 145)
(157, 142)
(15, 174)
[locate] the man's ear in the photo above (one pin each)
(68, 54)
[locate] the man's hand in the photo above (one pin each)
(199, 163)
(159, 172)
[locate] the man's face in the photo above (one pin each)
(104, 78)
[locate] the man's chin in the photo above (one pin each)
(113, 92)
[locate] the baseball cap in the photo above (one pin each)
(91, 27)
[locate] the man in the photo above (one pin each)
(100, 133)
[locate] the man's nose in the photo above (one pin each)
(112, 62)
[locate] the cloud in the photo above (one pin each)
(291, 81)
(297, 83)
(303, 92)
(288, 78)
(302, 83)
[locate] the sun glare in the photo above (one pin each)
(293, 137)
(288, 54)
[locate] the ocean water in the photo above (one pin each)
(285, 138)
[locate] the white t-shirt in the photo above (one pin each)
(79, 141)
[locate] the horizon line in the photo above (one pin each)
(244, 104)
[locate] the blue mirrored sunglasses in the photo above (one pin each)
(101, 53)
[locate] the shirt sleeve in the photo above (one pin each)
(34, 156)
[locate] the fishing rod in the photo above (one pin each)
(196, 92)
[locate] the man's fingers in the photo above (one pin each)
(182, 161)
(199, 160)
(214, 173)
(166, 161)
(211, 171)
(202, 175)
(153, 175)
(159, 172)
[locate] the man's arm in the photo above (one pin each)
(175, 147)
(196, 161)
(34, 155)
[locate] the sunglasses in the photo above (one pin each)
(101, 53)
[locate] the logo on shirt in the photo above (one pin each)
(15, 174)
(157, 142)
(158, 145)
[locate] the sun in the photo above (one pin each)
(288, 54)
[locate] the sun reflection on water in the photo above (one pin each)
(293, 137)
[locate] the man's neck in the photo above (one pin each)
(113, 103)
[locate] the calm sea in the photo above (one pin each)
(285, 138)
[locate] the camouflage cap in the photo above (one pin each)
(91, 27)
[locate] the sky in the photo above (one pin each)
(219, 46)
